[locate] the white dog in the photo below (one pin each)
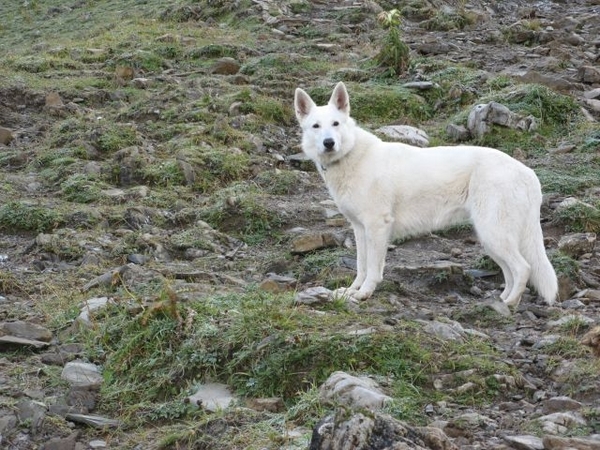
(391, 190)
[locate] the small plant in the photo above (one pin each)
(394, 54)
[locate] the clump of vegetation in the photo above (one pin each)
(18, 216)
(565, 265)
(80, 188)
(450, 20)
(264, 346)
(580, 217)
(394, 55)
(238, 210)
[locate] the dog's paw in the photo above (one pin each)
(348, 293)
(352, 294)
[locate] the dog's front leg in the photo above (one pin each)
(377, 236)
(360, 239)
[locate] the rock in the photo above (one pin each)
(107, 279)
(589, 74)
(309, 242)
(375, 431)
(457, 133)
(405, 133)
(592, 340)
(563, 443)
(82, 374)
(499, 306)
(26, 330)
(97, 443)
(13, 340)
(31, 411)
(535, 77)
(593, 94)
(90, 306)
(6, 136)
(93, 421)
(451, 330)
(276, 283)
(557, 404)
(314, 296)
(570, 318)
(61, 443)
(482, 115)
(577, 244)
(524, 442)
(225, 66)
(351, 391)
(123, 74)
(54, 101)
(420, 85)
(212, 397)
(141, 83)
(569, 419)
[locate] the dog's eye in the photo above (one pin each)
(316, 125)
(336, 123)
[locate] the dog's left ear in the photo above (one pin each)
(340, 98)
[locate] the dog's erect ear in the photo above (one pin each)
(340, 98)
(302, 104)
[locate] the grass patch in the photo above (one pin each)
(19, 216)
(580, 217)
(565, 265)
(239, 210)
(264, 346)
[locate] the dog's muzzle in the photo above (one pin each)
(329, 145)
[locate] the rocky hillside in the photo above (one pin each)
(167, 254)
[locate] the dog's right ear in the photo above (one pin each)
(303, 104)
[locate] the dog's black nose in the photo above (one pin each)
(328, 144)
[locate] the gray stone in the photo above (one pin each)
(90, 306)
(26, 330)
(348, 390)
(375, 431)
(560, 404)
(450, 330)
(457, 133)
(570, 443)
(93, 421)
(62, 443)
(405, 133)
(314, 296)
(525, 442)
(31, 411)
(589, 74)
(82, 374)
(277, 283)
(577, 244)
(6, 136)
(225, 66)
(212, 397)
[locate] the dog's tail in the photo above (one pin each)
(542, 277)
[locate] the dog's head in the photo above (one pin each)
(327, 131)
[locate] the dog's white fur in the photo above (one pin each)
(391, 190)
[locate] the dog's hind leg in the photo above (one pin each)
(504, 249)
